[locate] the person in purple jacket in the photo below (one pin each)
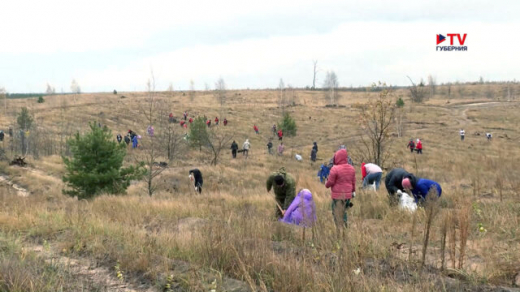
(422, 188)
(302, 211)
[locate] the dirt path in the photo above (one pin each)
(89, 271)
(20, 191)
(460, 110)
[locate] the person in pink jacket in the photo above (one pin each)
(342, 182)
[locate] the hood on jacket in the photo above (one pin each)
(340, 157)
(247, 140)
(306, 194)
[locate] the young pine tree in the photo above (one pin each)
(198, 133)
(288, 125)
(96, 165)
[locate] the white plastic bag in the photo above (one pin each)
(407, 203)
(298, 157)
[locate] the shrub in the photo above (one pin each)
(399, 102)
(41, 100)
(96, 165)
(198, 133)
(288, 125)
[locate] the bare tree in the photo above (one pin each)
(417, 91)
(400, 116)
(50, 89)
(315, 71)
(281, 87)
(432, 85)
(171, 141)
(170, 89)
(192, 90)
(75, 89)
(331, 84)
(291, 94)
(3, 95)
(216, 141)
(220, 91)
(377, 117)
(153, 104)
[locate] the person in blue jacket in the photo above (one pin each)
(422, 188)
(323, 173)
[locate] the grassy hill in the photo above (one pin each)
(226, 239)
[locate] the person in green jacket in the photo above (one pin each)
(284, 187)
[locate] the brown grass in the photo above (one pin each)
(229, 230)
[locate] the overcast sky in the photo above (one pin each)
(108, 45)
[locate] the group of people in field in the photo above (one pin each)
(338, 175)
(246, 146)
(462, 134)
(298, 208)
(415, 146)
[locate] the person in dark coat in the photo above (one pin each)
(394, 183)
(2, 136)
(313, 154)
(127, 139)
(234, 148)
(411, 145)
(196, 177)
(315, 147)
(119, 138)
(270, 147)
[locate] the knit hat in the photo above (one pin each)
(407, 184)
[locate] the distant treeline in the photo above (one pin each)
(29, 95)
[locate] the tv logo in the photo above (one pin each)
(461, 40)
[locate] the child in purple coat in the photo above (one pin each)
(302, 211)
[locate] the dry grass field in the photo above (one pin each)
(227, 240)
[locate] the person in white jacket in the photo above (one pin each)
(245, 148)
(462, 133)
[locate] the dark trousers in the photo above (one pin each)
(234, 153)
(462, 138)
(411, 149)
(419, 151)
(198, 185)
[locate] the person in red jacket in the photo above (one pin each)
(225, 122)
(182, 123)
(280, 134)
(256, 129)
(342, 182)
(216, 121)
(418, 146)
(190, 120)
(208, 122)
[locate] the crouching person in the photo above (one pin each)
(284, 187)
(196, 177)
(302, 211)
(371, 174)
(394, 186)
(342, 182)
(422, 189)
